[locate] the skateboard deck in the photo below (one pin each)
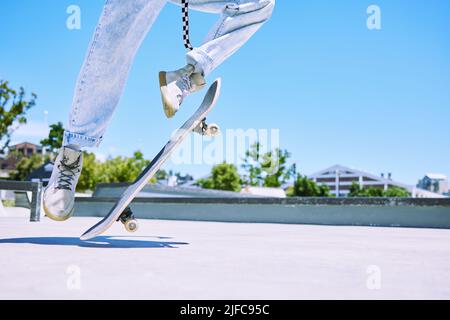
(120, 209)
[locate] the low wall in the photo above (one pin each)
(113, 190)
(419, 213)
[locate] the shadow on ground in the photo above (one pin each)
(98, 242)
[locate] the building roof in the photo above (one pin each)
(343, 170)
(24, 144)
(436, 176)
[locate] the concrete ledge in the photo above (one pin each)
(285, 201)
(418, 213)
(111, 190)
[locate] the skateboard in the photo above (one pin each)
(196, 123)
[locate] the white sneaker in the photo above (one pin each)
(59, 195)
(176, 85)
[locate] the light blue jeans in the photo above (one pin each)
(122, 27)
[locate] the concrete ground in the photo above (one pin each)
(203, 260)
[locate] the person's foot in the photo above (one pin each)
(176, 85)
(59, 195)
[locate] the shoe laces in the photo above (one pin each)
(67, 173)
(185, 85)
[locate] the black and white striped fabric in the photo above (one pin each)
(185, 17)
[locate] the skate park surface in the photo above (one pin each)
(212, 260)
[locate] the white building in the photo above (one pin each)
(434, 182)
(339, 179)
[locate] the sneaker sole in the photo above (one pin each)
(168, 110)
(57, 218)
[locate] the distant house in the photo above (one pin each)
(434, 182)
(9, 162)
(26, 148)
(340, 178)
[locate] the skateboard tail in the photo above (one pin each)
(89, 234)
(109, 220)
(86, 236)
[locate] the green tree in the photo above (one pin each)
(275, 168)
(119, 169)
(25, 166)
(223, 177)
(395, 192)
(355, 190)
(392, 192)
(267, 169)
(324, 191)
(89, 175)
(252, 166)
(374, 192)
(13, 108)
(122, 169)
(55, 137)
(161, 175)
(305, 187)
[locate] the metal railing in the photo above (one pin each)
(34, 187)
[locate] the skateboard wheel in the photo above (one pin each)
(131, 225)
(214, 130)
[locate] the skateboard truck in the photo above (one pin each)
(128, 220)
(204, 129)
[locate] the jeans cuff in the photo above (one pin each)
(80, 140)
(202, 62)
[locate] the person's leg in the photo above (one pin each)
(239, 20)
(119, 33)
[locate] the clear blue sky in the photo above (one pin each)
(338, 92)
